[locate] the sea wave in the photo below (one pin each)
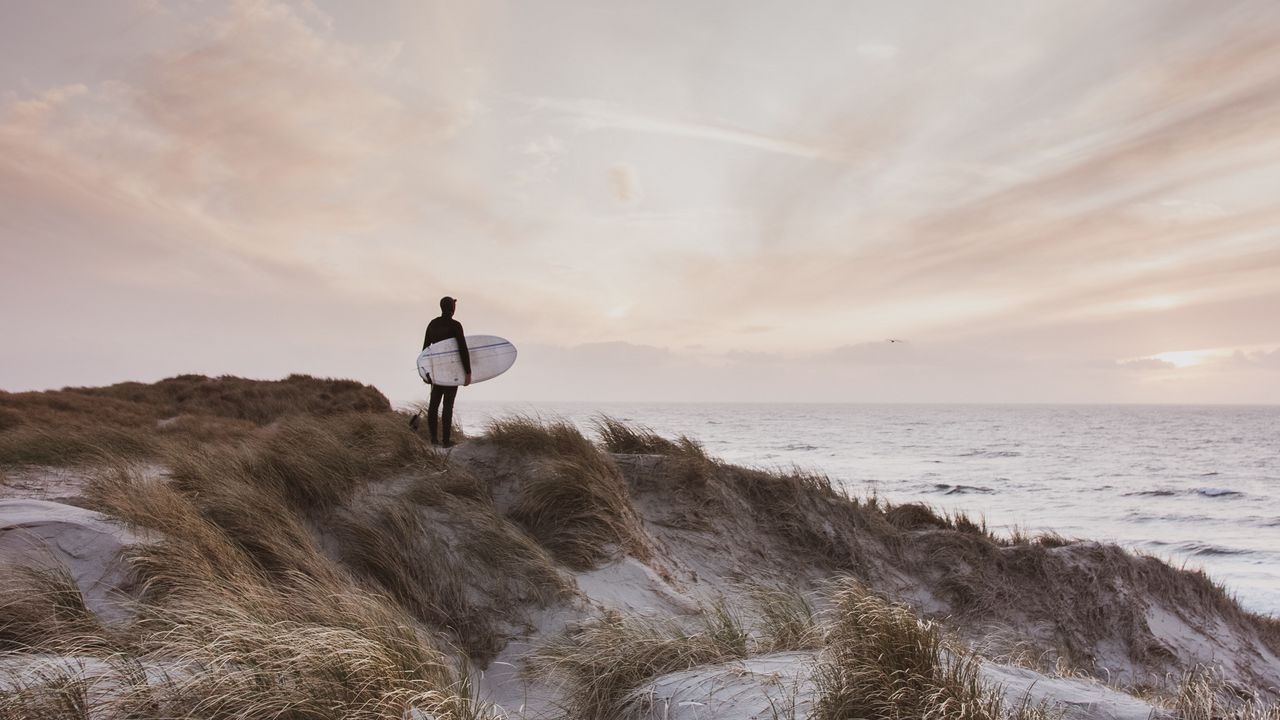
(1202, 549)
(948, 489)
(990, 453)
(1218, 492)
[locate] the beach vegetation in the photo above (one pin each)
(572, 499)
(80, 426)
(881, 660)
(620, 437)
(602, 661)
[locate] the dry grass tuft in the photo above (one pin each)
(807, 511)
(397, 549)
(573, 499)
(580, 511)
(1202, 694)
(601, 662)
(436, 487)
(788, 620)
(232, 665)
(42, 610)
(915, 516)
(453, 563)
(35, 445)
(315, 464)
(531, 435)
(881, 661)
(619, 437)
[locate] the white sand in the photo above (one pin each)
(765, 686)
(47, 534)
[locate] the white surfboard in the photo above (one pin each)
(490, 357)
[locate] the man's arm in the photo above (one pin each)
(426, 338)
(463, 351)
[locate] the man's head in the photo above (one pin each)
(448, 305)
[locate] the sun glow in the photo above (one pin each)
(1186, 358)
(1158, 302)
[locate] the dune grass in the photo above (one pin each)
(76, 426)
(42, 610)
(258, 401)
(461, 568)
(1202, 694)
(572, 500)
(215, 649)
(601, 662)
(881, 661)
(315, 464)
(620, 437)
(807, 511)
(247, 515)
(239, 619)
(788, 620)
(241, 669)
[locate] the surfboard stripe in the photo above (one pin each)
(474, 349)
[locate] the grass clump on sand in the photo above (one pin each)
(42, 610)
(317, 463)
(619, 437)
(1202, 694)
(457, 566)
(601, 664)
(233, 665)
(573, 500)
(788, 620)
(603, 661)
(881, 661)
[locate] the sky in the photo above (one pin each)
(1059, 201)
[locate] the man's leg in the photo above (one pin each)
(433, 407)
(449, 394)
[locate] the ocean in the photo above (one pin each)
(1198, 486)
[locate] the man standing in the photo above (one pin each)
(443, 328)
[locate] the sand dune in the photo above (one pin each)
(627, 576)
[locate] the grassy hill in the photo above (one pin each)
(293, 549)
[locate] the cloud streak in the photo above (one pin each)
(590, 114)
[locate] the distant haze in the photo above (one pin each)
(1056, 201)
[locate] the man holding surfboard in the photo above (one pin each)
(444, 328)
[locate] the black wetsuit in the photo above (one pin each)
(443, 328)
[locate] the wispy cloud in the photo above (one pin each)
(589, 114)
